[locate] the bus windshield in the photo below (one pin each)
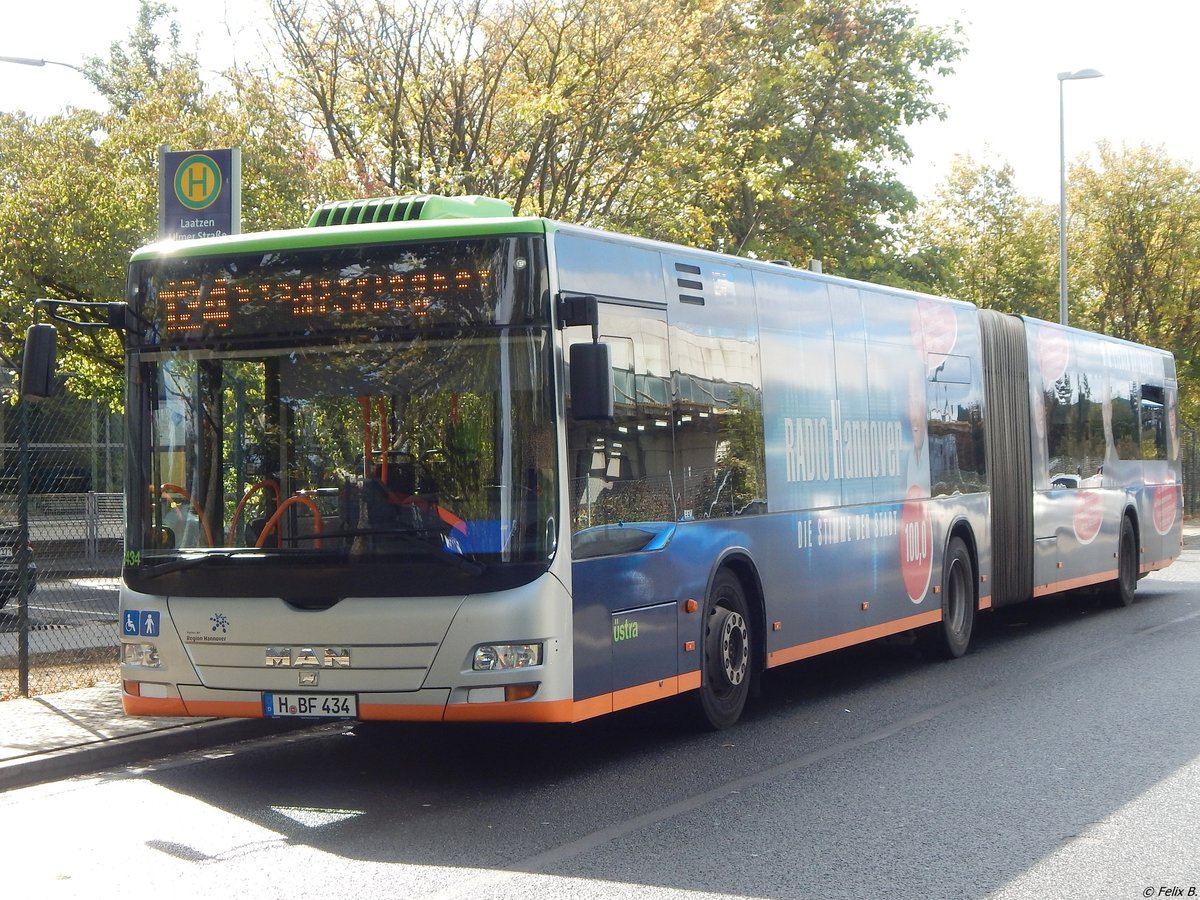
(430, 450)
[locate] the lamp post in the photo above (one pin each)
(1062, 188)
(26, 61)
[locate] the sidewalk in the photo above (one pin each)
(59, 735)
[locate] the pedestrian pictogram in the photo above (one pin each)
(150, 623)
(198, 181)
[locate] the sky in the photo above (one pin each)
(1002, 103)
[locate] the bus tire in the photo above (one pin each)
(1120, 591)
(726, 665)
(950, 638)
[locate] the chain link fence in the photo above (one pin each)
(1190, 452)
(61, 527)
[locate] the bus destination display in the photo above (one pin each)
(303, 294)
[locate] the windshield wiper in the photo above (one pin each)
(178, 565)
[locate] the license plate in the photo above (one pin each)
(337, 706)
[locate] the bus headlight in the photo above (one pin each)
(493, 657)
(144, 655)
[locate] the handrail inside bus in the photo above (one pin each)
(265, 483)
(274, 520)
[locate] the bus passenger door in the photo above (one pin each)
(619, 475)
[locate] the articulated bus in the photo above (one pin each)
(427, 460)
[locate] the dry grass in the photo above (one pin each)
(51, 673)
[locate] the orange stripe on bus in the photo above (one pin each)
(152, 706)
(592, 707)
(636, 695)
(1070, 584)
(238, 709)
(173, 706)
(401, 712)
(859, 636)
(645, 693)
(536, 711)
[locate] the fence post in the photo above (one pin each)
(91, 534)
(22, 555)
(1188, 457)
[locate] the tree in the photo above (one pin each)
(999, 245)
(1135, 272)
(59, 226)
(829, 87)
(80, 189)
(768, 127)
(1136, 222)
(556, 106)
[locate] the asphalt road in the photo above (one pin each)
(1061, 758)
(75, 600)
(78, 600)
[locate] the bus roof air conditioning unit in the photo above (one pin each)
(408, 209)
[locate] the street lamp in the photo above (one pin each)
(25, 61)
(1062, 188)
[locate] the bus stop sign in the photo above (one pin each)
(199, 193)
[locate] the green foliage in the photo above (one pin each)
(58, 226)
(80, 189)
(1134, 250)
(770, 127)
(1135, 255)
(997, 248)
(828, 87)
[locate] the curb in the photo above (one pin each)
(86, 758)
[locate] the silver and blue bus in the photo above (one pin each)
(426, 460)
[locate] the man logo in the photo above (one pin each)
(307, 657)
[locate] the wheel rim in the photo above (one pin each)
(734, 643)
(728, 663)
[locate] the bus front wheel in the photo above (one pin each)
(727, 663)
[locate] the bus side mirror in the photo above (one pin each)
(39, 362)
(591, 382)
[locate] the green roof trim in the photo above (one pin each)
(343, 236)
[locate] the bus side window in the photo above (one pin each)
(621, 470)
(1153, 422)
(956, 456)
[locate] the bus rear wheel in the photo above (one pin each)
(727, 663)
(950, 638)
(1120, 592)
